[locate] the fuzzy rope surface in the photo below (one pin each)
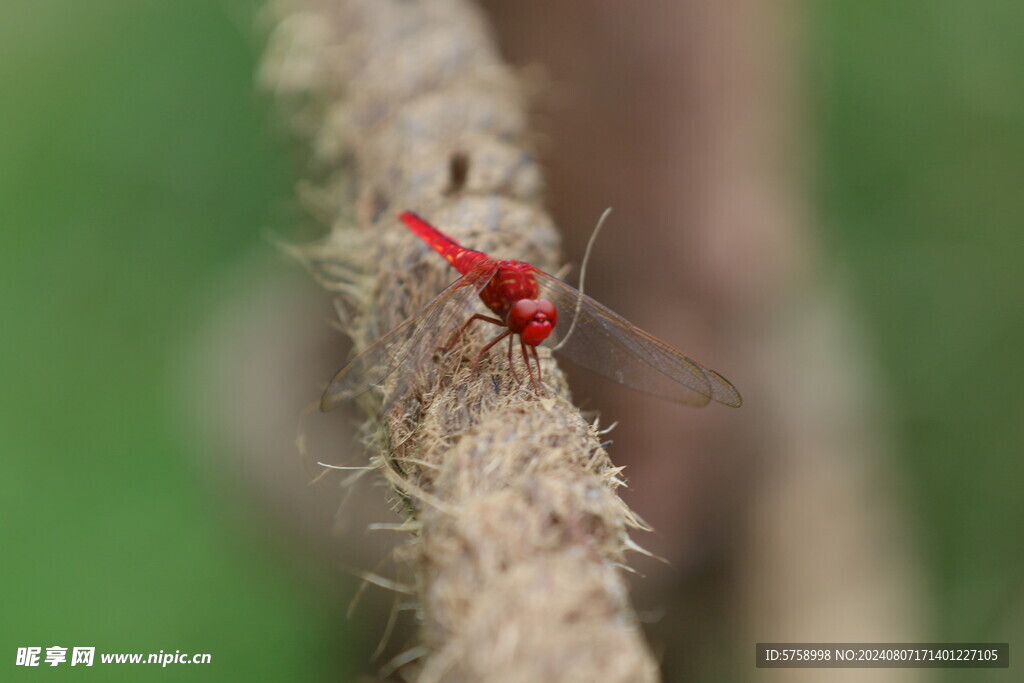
(518, 532)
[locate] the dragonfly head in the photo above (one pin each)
(532, 319)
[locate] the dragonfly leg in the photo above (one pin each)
(487, 348)
(462, 330)
(526, 359)
(536, 359)
(511, 363)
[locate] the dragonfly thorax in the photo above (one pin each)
(532, 319)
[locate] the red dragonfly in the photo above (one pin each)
(526, 303)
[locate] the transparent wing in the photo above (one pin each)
(408, 341)
(606, 343)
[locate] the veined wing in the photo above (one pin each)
(418, 333)
(606, 343)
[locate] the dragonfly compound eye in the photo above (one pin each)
(533, 319)
(520, 315)
(548, 309)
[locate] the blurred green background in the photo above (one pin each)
(137, 161)
(920, 109)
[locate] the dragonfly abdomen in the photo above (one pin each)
(464, 260)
